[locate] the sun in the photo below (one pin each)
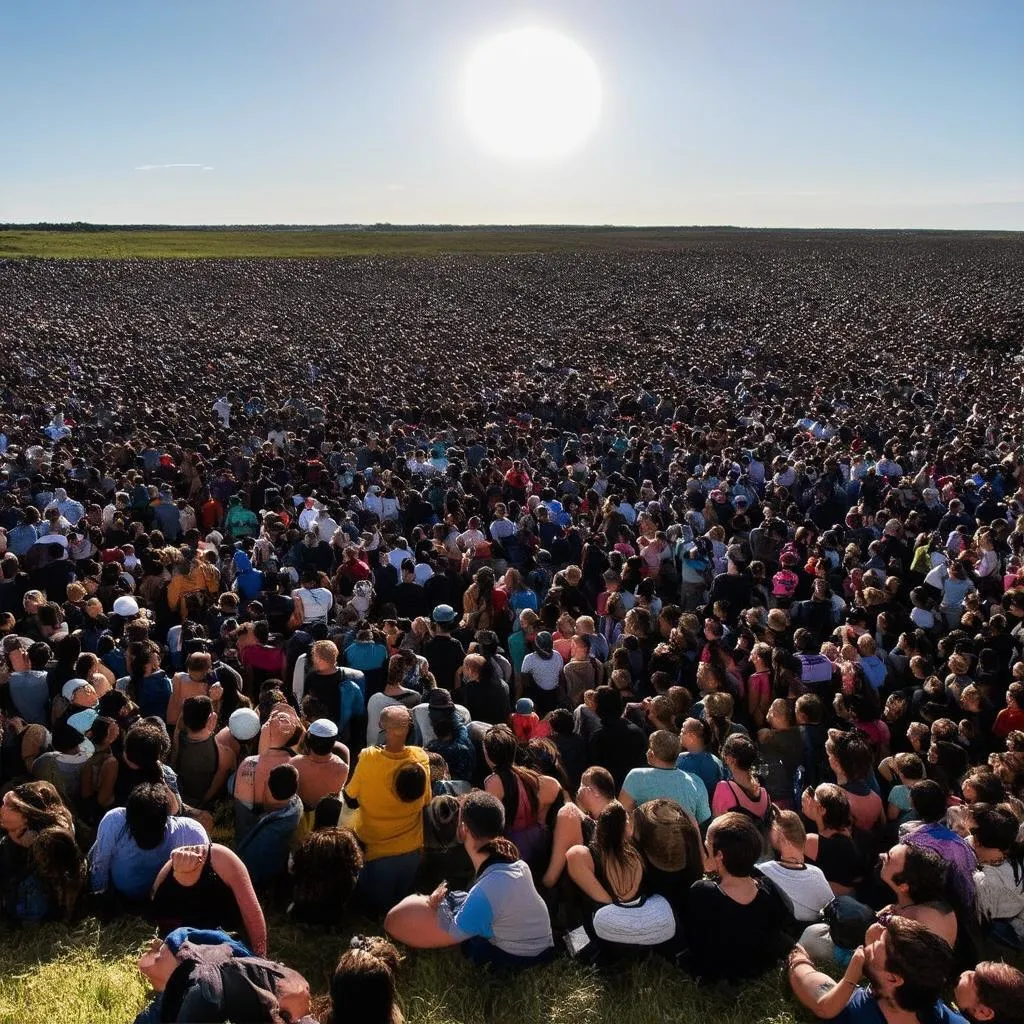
(532, 94)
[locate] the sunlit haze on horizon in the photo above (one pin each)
(797, 113)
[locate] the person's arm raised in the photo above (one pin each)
(819, 993)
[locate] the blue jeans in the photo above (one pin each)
(481, 952)
(387, 880)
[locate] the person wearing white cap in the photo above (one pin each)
(322, 772)
(126, 607)
(240, 737)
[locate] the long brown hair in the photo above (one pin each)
(620, 859)
(501, 747)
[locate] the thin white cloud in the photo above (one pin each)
(164, 167)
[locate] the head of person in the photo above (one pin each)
(907, 964)
(481, 824)
(788, 834)
(283, 782)
(993, 991)
(597, 788)
(928, 800)
(668, 838)
(914, 873)
(662, 749)
(325, 867)
(29, 808)
(363, 984)
(197, 713)
(733, 846)
(394, 723)
(829, 808)
(146, 814)
(739, 753)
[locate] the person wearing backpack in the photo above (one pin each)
(742, 793)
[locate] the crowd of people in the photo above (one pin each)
(700, 635)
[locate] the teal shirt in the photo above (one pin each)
(644, 784)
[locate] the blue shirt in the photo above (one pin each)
(116, 861)
(874, 670)
(30, 695)
(863, 1009)
(708, 768)
(689, 791)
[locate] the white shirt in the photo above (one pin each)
(545, 671)
(806, 888)
(316, 603)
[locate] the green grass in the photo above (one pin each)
(229, 244)
(53, 975)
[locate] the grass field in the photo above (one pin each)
(225, 244)
(228, 244)
(50, 975)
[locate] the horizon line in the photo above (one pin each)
(453, 227)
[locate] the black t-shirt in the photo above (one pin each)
(444, 654)
(730, 940)
(618, 745)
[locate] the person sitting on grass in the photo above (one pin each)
(362, 987)
(324, 867)
(501, 920)
(208, 887)
(390, 786)
(264, 850)
(735, 918)
(42, 872)
(133, 843)
(907, 966)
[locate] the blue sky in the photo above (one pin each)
(859, 113)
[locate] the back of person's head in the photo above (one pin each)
(996, 828)
(147, 812)
(928, 800)
(922, 960)
(853, 754)
(668, 837)
(145, 744)
(737, 839)
(363, 984)
(411, 782)
(283, 781)
(790, 827)
(195, 712)
(608, 704)
(664, 746)
(910, 767)
(600, 780)
(741, 750)
(39, 656)
(327, 813)
(835, 806)
(483, 815)
(561, 722)
(1000, 989)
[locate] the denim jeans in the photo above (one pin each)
(387, 880)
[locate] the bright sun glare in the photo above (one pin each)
(532, 94)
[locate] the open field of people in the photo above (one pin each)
(638, 566)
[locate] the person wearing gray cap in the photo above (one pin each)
(443, 652)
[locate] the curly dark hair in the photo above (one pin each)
(326, 866)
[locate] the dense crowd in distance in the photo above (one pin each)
(664, 602)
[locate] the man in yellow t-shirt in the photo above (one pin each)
(390, 786)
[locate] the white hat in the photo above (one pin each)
(72, 686)
(244, 724)
(323, 728)
(126, 607)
